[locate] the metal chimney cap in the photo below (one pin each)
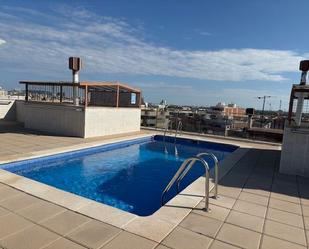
(75, 63)
(304, 66)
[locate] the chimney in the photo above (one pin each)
(75, 64)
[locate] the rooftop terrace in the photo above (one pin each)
(257, 208)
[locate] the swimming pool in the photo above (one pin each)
(129, 175)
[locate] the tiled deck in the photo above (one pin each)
(18, 143)
(257, 208)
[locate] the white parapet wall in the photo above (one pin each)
(52, 118)
(7, 109)
(78, 121)
(104, 121)
(295, 152)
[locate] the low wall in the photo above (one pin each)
(75, 121)
(7, 110)
(295, 152)
(103, 121)
(51, 118)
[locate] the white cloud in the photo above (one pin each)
(2, 41)
(109, 45)
(204, 33)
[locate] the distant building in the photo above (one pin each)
(156, 117)
(3, 92)
(230, 110)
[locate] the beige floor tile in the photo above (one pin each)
(246, 221)
(274, 243)
(250, 208)
(41, 211)
(3, 211)
(65, 222)
(127, 240)
(33, 237)
(282, 231)
(162, 247)
(259, 181)
(304, 201)
(8, 192)
(286, 197)
(305, 210)
(257, 191)
(8, 177)
(221, 245)
(285, 206)
(257, 199)
(285, 187)
(19, 202)
(285, 217)
(223, 201)
(182, 238)
(150, 228)
(216, 212)
(63, 243)
(306, 220)
(12, 223)
(201, 224)
(94, 234)
(239, 236)
(229, 191)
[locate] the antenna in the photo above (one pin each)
(263, 109)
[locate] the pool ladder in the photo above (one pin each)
(177, 131)
(185, 168)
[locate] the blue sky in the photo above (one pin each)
(188, 52)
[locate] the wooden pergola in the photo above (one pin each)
(111, 86)
(86, 87)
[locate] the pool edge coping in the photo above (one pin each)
(155, 227)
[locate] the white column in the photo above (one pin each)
(75, 88)
(299, 108)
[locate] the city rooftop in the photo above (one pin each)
(166, 125)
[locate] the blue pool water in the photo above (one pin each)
(128, 175)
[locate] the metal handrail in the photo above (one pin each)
(180, 171)
(178, 127)
(164, 135)
(184, 173)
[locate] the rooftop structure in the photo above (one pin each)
(82, 109)
(295, 146)
(109, 94)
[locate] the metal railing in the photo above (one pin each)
(164, 135)
(190, 161)
(216, 166)
(178, 128)
(102, 94)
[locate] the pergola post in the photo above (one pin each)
(140, 100)
(117, 104)
(61, 93)
(86, 96)
(27, 92)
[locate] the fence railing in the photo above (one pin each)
(87, 93)
(160, 120)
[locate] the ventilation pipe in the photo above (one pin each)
(304, 67)
(75, 64)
